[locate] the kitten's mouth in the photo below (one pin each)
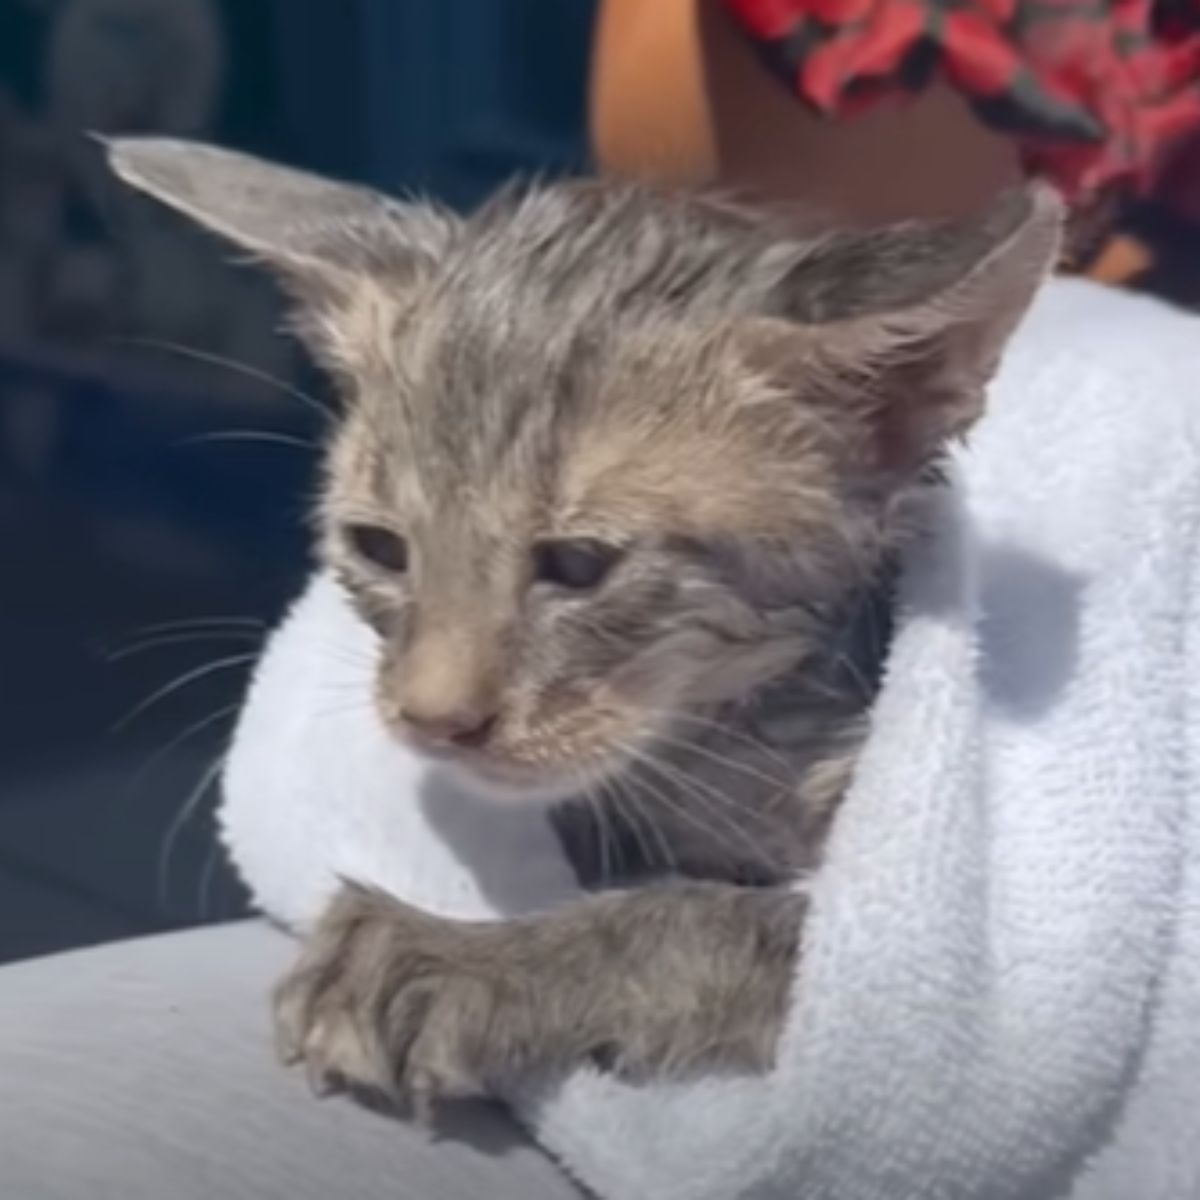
(495, 774)
(502, 779)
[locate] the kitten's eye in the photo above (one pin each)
(579, 564)
(380, 546)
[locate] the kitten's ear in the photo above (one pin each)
(319, 235)
(911, 321)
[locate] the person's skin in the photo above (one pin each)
(678, 93)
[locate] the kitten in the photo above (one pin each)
(621, 483)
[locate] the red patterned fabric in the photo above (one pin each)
(1098, 91)
(1180, 187)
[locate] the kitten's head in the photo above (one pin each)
(610, 454)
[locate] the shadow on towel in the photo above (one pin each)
(1028, 631)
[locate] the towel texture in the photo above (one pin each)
(999, 997)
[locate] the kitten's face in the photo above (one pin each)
(608, 454)
(560, 551)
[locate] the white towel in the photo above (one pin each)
(999, 997)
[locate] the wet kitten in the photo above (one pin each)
(621, 483)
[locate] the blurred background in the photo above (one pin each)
(155, 466)
(156, 431)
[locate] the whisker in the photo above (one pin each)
(725, 729)
(194, 798)
(677, 808)
(866, 691)
(249, 435)
(204, 890)
(725, 761)
(147, 768)
(603, 832)
(635, 814)
(727, 804)
(728, 800)
(230, 364)
(611, 794)
(713, 805)
(189, 623)
(181, 639)
(181, 681)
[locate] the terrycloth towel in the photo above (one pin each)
(999, 997)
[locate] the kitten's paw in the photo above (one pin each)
(390, 999)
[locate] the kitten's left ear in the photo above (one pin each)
(910, 322)
(319, 235)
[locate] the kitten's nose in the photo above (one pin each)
(457, 727)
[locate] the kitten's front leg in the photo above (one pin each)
(657, 981)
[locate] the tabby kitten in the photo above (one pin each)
(620, 484)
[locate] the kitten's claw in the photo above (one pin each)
(381, 1021)
(320, 1082)
(423, 1093)
(289, 1022)
(287, 1048)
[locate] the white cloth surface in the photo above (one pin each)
(999, 997)
(143, 1070)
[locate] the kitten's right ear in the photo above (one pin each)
(319, 235)
(911, 321)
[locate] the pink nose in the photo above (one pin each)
(462, 727)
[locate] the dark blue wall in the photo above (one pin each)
(111, 519)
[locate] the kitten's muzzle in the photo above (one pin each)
(449, 731)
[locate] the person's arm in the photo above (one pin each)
(678, 93)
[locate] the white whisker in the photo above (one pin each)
(192, 623)
(676, 807)
(635, 814)
(725, 729)
(722, 760)
(249, 435)
(181, 681)
(230, 364)
(204, 890)
(866, 691)
(603, 832)
(178, 740)
(194, 798)
(611, 793)
(714, 804)
(181, 639)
